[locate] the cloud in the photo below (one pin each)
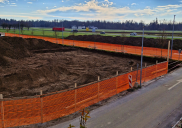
(1, 6)
(106, 11)
(20, 16)
(133, 4)
(62, 1)
(29, 2)
(13, 5)
(3, 1)
(103, 8)
(168, 7)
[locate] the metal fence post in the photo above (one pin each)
(168, 51)
(75, 95)
(117, 82)
(145, 71)
(156, 69)
(141, 59)
(2, 110)
(41, 102)
(98, 88)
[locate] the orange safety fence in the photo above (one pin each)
(21, 112)
(48, 107)
(147, 51)
(45, 108)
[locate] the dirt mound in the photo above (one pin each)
(37, 44)
(133, 41)
(18, 48)
(14, 48)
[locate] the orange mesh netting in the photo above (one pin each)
(147, 51)
(45, 108)
(22, 112)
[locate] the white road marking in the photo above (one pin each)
(179, 81)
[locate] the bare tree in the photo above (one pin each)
(4, 25)
(9, 26)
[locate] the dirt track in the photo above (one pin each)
(31, 65)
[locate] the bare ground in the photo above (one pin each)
(30, 65)
(40, 65)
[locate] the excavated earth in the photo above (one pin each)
(133, 41)
(30, 65)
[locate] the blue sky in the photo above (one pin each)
(110, 10)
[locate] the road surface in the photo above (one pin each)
(146, 36)
(158, 105)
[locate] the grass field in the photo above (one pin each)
(111, 30)
(47, 32)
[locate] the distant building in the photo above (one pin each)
(81, 27)
(74, 27)
(91, 27)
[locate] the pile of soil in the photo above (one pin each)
(133, 41)
(17, 48)
(34, 64)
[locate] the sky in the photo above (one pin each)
(109, 10)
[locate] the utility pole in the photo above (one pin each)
(62, 33)
(141, 60)
(19, 29)
(172, 38)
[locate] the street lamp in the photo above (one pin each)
(141, 59)
(172, 37)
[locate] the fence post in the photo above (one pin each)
(75, 95)
(117, 82)
(168, 55)
(98, 87)
(156, 69)
(41, 102)
(145, 71)
(2, 110)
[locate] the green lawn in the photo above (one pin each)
(109, 30)
(47, 32)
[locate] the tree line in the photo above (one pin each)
(127, 25)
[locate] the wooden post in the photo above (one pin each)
(98, 88)
(131, 68)
(168, 55)
(156, 69)
(145, 71)
(75, 95)
(168, 51)
(41, 102)
(2, 110)
(117, 82)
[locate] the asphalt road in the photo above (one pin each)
(160, 36)
(147, 36)
(158, 105)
